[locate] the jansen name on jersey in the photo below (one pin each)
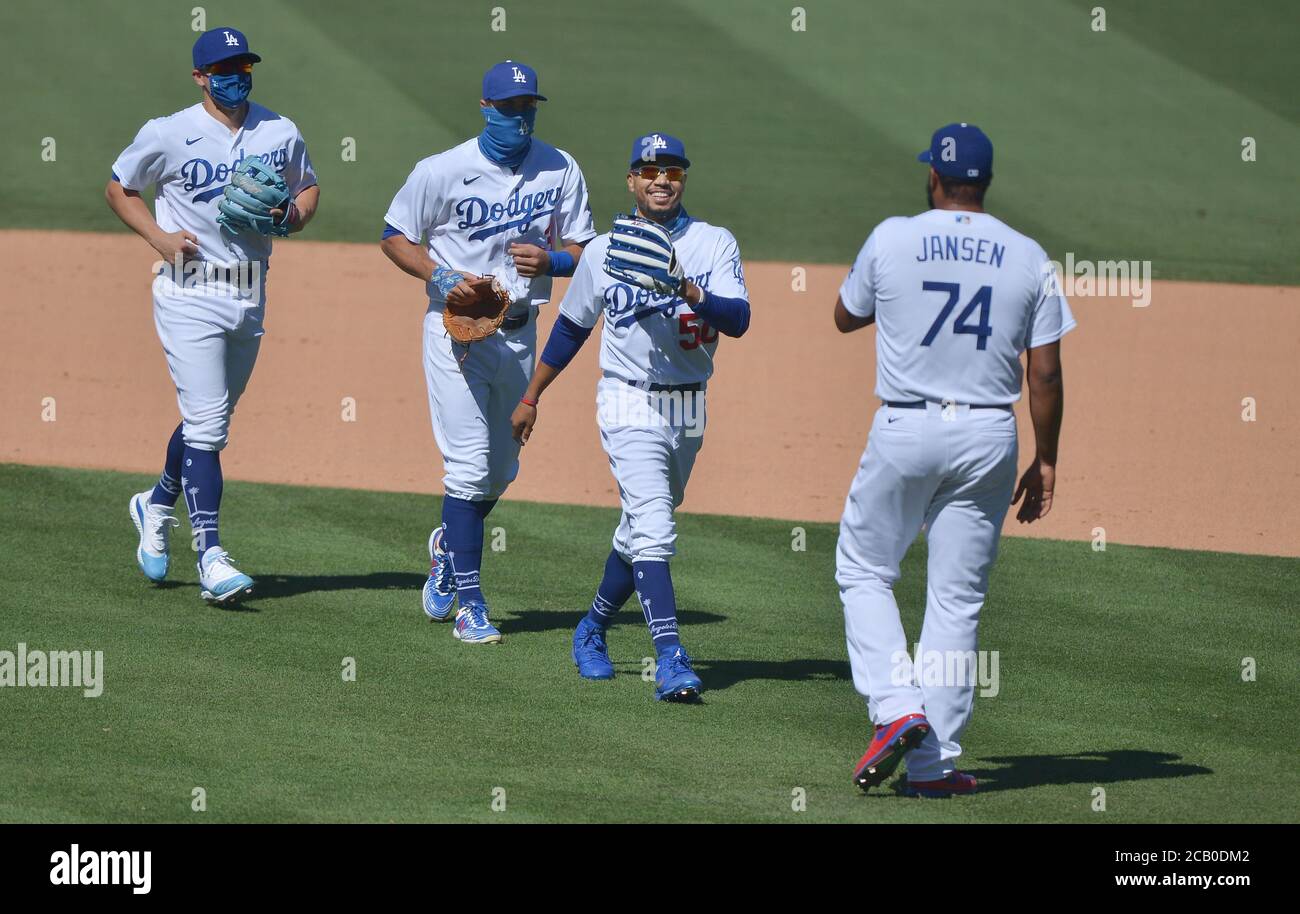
(957, 297)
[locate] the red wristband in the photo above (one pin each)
(532, 403)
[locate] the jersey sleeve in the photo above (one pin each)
(142, 164)
(298, 173)
(858, 291)
(580, 304)
(412, 210)
(728, 279)
(1051, 317)
(573, 215)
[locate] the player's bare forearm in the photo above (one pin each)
(1046, 399)
(846, 322)
(130, 207)
(305, 203)
(543, 375)
(412, 259)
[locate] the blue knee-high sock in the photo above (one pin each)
(201, 479)
(464, 542)
(654, 588)
(615, 587)
(169, 483)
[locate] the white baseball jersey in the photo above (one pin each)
(957, 297)
(657, 338)
(190, 155)
(471, 210)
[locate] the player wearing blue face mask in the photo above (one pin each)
(503, 204)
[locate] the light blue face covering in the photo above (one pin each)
(505, 140)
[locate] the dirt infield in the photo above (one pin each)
(1155, 449)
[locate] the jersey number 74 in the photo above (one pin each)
(981, 299)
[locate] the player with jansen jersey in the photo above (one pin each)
(229, 174)
(667, 285)
(956, 296)
(507, 204)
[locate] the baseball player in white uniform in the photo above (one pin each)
(208, 292)
(507, 204)
(667, 285)
(956, 296)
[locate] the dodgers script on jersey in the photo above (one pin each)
(190, 157)
(472, 209)
(657, 338)
(957, 297)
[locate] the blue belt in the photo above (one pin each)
(920, 404)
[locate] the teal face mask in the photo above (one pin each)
(505, 139)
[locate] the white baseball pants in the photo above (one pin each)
(955, 472)
(651, 439)
(211, 332)
(471, 401)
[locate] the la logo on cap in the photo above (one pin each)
(519, 76)
(660, 142)
(231, 40)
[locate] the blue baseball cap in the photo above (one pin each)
(960, 151)
(655, 146)
(221, 44)
(508, 80)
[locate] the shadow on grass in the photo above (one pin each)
(549, 620)
(274, 586)
(1021, 771)
(722, 674)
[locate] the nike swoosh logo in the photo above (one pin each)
(471, 180)
(193, 141)
(893, 419)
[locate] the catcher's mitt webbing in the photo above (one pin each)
(482, 317)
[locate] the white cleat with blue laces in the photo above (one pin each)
(153, 523)
(472, 625)
(221, 581)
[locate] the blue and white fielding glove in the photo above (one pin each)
(641, 252)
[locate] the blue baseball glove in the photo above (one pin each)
(641, 252)
(254, 190)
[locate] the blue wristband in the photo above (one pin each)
(562, 264)
(445, 280)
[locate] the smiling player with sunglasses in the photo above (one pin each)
(667, 285)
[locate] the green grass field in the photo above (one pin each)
(1118, 670)
(1123, 144)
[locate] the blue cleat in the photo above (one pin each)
(589, 651)
(472, 625)
(219, 580)
(439, 594)
(674, 678)
(153, 523)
